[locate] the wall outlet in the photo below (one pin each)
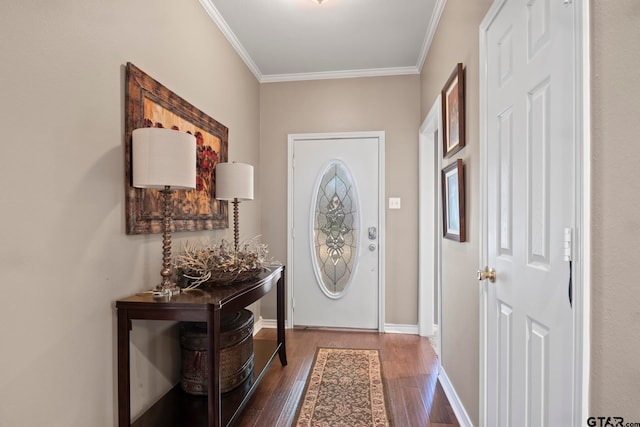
(394, 202)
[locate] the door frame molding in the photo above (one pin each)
(430, 250)
(300, 137)
(582, 214)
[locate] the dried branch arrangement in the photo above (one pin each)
(217, 263)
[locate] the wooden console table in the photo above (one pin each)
(177, 408)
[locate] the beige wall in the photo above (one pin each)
(615, 307)
(389, 104)
(64, 255)
(456, 40)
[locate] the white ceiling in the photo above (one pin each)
(283, 40)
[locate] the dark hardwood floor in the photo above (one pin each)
(409, 370)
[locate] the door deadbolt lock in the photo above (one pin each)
(372, 247)
(373, 233)
(487, 273)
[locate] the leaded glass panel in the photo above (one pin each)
(335, 229)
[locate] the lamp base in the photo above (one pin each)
(236, 226)
(167, 288)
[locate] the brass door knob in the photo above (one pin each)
(487, 273)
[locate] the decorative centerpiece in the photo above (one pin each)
(219, 264)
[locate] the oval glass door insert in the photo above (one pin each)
(335, 229)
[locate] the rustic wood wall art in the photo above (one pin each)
(453, 112)
(150, 104)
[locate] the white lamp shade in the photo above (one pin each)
(163, 157)
(234, 181)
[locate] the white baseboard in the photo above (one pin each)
(393, 328)
(454, 400)
(389, 328)
(257, 325)
(262, 323)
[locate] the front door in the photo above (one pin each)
(335, 231)
(530, 122)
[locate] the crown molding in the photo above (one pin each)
(231, 37)
(433, 26)
(345, 74)
(324, 75)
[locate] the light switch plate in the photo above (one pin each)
(394, 202)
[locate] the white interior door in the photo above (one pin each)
(334, 252)
(530, 123)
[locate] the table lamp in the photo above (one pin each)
(164, 159)
(234, 182)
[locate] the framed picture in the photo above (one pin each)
(150, 104)
(453, 201)
(453, 112)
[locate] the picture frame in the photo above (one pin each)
(453, 112)
(453, 201)
(150, 104)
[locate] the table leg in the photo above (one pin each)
(214, 399)
(282, 351)
(124, 375)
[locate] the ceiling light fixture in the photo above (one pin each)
(318, 1)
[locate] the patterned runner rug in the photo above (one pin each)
(344, 389)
